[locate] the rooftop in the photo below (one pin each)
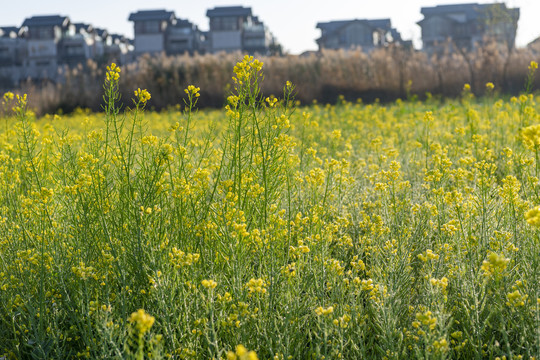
(149, 15)
(82, 26)
(332, 26)
(9, 31)
(229, 11)
(46, 20)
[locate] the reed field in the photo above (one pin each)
(269, 230)
(385, 73)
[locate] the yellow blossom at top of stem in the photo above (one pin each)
(246, 68)
(192, 90)
(533, 66)
(8, 96)
(516, 299)
(428, 117)
(142, 321)
(256, 286)
(322, 311)
(490, 86)
(209, 284)
(494, 265)
(142, 95)
(242, 353)
(427, 319)
(533, 216)
(531, 136)
(113, 72)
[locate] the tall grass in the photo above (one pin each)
(387, 74)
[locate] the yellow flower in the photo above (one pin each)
(209, 284)
(242, 353)
(494, 265)
(192, 91)
(533, 66)
(142, 95)
(533, 216)
(427, 319)
(324, 311)
(531, 136)
(113, 73)
(516, 299)
(441, 345)
(8, 96)
(141, 321)
(490, 86)
(256, 286)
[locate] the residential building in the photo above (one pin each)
(159, 31)
(234, 28)
(13, 51)
(44, 36)
(116, 48)
(184, 37)
(12, 46)
(79, 46)
(257, 39)
(151, 30)
(466, 26)
(357, 33)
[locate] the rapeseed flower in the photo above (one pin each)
(141, 321)
(533, 216)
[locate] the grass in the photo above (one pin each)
(385, 74)
(264, 230)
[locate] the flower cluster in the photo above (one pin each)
(142, 96)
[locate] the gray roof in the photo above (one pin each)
(46, 20)
(229, 11)
(82, 26)
(102, 33)
(184, 23)
(333, 26)
(6, 31)
(149, 15)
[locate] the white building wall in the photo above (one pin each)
(226, 40)
(149, 43)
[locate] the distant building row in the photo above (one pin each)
(232, 28)
(444, 27)
(43, 44)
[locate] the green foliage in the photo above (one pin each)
(349, 231)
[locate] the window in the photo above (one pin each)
(42, 33)
(152, 27)
(147, 27)
(225, 23)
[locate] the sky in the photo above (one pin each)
(291, 21)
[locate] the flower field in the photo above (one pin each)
(270, 231)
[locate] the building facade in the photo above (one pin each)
(358, 33)
(43, 45)
(234, 28)
(467, 26)
(159, 31)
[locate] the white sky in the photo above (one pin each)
(292, 21)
